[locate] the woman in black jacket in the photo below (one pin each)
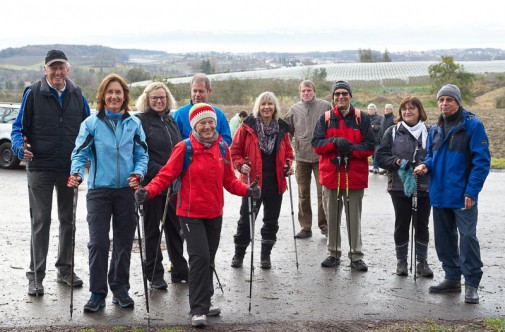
(162, 134)
(402, 147)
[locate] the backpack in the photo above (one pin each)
(357, 113)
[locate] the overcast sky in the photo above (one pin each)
(256, 25)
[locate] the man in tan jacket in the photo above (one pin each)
(302, 118)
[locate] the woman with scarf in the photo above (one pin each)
(261, 148)
(200, 202)
(402, 147)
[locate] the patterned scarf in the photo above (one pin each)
(267, 134)
(207, 142)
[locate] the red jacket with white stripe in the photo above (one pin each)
(358, 131)
(201, 195)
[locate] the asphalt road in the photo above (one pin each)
(282, 294)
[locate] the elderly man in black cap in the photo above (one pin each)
(43, 136)
(344, 140)
(458, 160)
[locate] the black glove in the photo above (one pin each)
(343, 145)
(141, 195)
(254, 192)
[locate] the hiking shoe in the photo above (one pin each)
(402, 268)
(265, 263)
(214, 310)
(303, 234)
(198, 320)
(159, 284)
(359, 265)
(324, 231)
(123, 299)
(447, 286)
(67, 279)
(330, 261)
(35, 289)
(471, 295)
(237, 261)
(423, 269)
(95, 302)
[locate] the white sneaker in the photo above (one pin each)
(214, 311)
(198, 320)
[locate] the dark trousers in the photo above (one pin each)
(153, 210)
(271, 200)
(403, 217)
(202, 236)
(40, 193)
(102, 204)
(463, 257)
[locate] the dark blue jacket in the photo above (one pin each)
(458, 163)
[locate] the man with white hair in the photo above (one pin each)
(43, 136)
(375, 125)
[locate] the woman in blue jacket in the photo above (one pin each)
(114, 142)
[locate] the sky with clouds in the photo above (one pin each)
(256, 26)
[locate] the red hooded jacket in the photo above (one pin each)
(201, 194)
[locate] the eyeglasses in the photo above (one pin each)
(162, 98)
(446, 99)
(343, 94)
(410, 109)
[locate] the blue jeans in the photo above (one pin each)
(465, 257)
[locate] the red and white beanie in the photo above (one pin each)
(199, 112)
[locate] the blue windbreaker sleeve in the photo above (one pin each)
(223, 128)
(86, 105)
(480, 160)
(140, 155)
(181, 117)
(82, 150)
(17, 126)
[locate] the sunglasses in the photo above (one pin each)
(343, 94)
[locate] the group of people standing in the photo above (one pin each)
(175, 167)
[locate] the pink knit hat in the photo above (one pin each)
(199, 112)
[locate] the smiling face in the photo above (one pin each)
(56, 74)
(158, 100)
(114, 97)
(410, 114)
(341, 99)
(206, 127)
(267, 109)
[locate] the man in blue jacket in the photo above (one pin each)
(458, 160)
(200, 92)
(43, 136)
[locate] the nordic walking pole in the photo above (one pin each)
(347, 216)
(292, 216)
(34, 259)
(163, 219)
(74, 209)
(414, 223)
(217, 278)
(414, 217)
(140, 208)
(252, 221)
(339, 161)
